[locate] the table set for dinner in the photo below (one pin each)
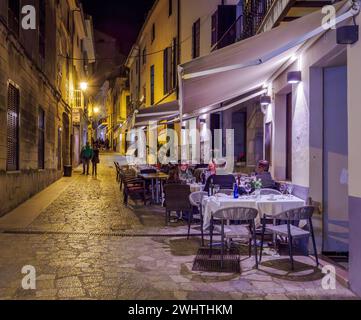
(265, 204)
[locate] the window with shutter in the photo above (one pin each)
(42, 19)
(41, 139)
(14, 16)
(59, 148)
(152, 85)
(12, 163)
(168, 70)
(196, 39)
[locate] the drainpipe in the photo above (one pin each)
(178, 48)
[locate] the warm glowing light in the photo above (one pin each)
(96, 110)
(83, 86)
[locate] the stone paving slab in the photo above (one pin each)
(72, 263)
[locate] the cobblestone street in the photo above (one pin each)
(87, 245)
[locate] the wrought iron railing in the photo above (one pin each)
(247, 24)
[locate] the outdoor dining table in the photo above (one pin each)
(265, 204)
(156, 180)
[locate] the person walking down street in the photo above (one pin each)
(95, 161)
(86, 156)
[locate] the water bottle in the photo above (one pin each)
(212, 187)
(235, 191)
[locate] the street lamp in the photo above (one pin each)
(83, 86)
(96, 110)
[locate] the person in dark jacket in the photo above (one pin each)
(262, 173)
(86, 155)
(95, 161)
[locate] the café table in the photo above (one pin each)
(156, 180)
(265, 204)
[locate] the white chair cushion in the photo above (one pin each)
(283, 230)
(235, 231)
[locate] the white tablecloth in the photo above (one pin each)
(264, 205)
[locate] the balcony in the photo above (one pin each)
(256, 16)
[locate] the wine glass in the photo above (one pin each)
(290, 189)
(248, 188)
(217, 188)
(283, 189)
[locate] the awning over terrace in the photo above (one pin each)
(247, 66)
(163, 112)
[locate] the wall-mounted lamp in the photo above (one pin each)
(347, 34)
(265, 100)
(294, 77)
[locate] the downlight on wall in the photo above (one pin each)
(294, 77)
(265, 101)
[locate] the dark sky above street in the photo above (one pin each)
(121, 19)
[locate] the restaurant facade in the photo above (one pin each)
(306, 74)
(291, 95)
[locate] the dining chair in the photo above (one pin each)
(224, 181)
(117, 168)
(195, 200)
(243, 227)
(176, 199)
(285, 227)
(125, 175)
(134, 187)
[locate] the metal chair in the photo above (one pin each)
(134, 187)
(117, 168)
(176, 199)
(225, 181)
(244, 228)
(195, 200)
(289, 230)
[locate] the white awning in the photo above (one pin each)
(157, 113)
(247, 65)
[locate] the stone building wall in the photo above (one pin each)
(21, 65)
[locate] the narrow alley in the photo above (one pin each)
(86, 245)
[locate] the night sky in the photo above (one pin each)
(121, 19)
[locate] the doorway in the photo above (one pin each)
(335, 162)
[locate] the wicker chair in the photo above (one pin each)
(244, 228)
(290, 231)
(195, 200)
(176, 199)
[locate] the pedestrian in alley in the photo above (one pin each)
(95, 160)
(86, 155)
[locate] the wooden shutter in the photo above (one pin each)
(13, 129)
(41, 139)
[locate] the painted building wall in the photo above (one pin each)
(354, 111)
(165, 32)
(308, 132)
(191, 11)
